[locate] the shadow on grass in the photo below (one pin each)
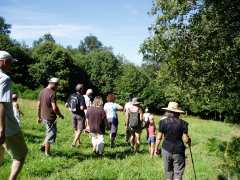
(32, 138)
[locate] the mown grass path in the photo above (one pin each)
(118, 163)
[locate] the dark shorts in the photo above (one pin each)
(174, 165)
(78, 122)
(134, 130)
(113, 124)
(51, 132)
(151, 140)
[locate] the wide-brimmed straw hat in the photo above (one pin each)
(173, 107)
(135, 101)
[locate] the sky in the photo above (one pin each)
(121, 24)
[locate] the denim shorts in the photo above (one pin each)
(51, 132)
(174, 165)
(151, 140)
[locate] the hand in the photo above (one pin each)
(39, 120)
(61, 116)
(189, 141)
(2, 137)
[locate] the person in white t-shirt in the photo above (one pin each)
(11, 137)
(88, 102)
(111, 109)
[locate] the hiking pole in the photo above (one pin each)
(192, 162)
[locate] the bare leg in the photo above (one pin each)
(47, 149)
(16, 168)
(137, 141)
(2, 150)
(149, 149)
(77, 137)
(152, 149)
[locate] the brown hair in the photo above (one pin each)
(111, 97)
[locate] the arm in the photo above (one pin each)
(56, 110)
(39, 111)
(159, 139)
(19, 110)
(186, 139)
(126, 119)
(119, 107)
(2, 123)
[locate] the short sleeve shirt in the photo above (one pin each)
(47, 97)
(96, 119)
(173, 130)
(111, 109)
(81, 102)
(87, 101)
(12, 126)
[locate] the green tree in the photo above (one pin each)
(89, 44)
(51, 60)
(102, 69)
(4, 28)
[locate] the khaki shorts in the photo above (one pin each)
(16, 147)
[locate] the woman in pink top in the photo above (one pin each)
(151, 135)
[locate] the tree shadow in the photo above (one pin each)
(33, 138)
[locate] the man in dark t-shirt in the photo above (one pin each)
(97, 121)
(47, 113)
(174, 131)
(76, 104)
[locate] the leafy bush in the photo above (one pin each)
(230, 155)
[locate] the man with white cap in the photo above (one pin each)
(47, 113)
(11, 137)
(174, 131)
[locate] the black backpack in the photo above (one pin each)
(74, 103)
(134, 119)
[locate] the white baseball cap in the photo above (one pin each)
(4, 55)
(53, 80)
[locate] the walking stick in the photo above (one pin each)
(192, 162)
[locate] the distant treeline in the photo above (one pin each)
(192, 57)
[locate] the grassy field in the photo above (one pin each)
(118, 163)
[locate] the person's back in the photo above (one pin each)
(96, 119)
(46, 97)
(173, 130)
(75, 101)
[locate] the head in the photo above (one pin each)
(135, 102)
(79, 88)
(146, 110)
(89, 92)
(14, 97)
(53, 83)
(6, 60)
(98, 102)
(151, 119)
(110, 97)
(173, 110)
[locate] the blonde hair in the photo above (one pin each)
(97, 102)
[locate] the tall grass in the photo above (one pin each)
(118, 163)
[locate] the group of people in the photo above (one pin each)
(92, 116)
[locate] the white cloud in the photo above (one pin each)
(57, 30)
